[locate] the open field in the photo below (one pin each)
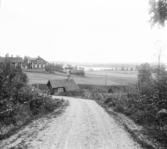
(94, 77)
(121, 74)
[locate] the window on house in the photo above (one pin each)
(60, 90)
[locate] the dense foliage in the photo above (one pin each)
(25, 61)
(54, 67)
(158, 9)
(20, 102)
(145, 79)
(147, 105)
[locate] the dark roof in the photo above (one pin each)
(11, 59)
(69, 85)
(76, 71)
(34, 59)
(2, 59)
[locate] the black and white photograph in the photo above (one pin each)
(83, 74)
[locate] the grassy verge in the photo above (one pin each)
(22, 135)
(27, 114)
(139, 122)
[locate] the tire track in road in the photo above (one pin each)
(114, 135)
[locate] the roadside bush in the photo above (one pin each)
(50, 104)
(19, 102)
(143, 106)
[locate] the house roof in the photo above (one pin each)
(69, 85)
(2, 59)
(76, 71)
(11, 59)
(34, 59)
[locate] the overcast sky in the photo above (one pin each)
(103, 31)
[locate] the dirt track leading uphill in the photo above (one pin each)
(84, 125)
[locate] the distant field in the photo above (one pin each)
(121, 74)
(92, 77)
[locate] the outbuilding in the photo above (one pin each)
(13, 60)
(63, 85)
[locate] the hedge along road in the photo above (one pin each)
(84, 125)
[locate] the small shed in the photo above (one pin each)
(64, 85)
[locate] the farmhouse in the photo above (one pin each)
(13, 60)
(37, 63)
(64, 85)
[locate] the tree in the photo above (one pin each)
(158, 9)
(69, 67)
(131, 69)
(58, 67)
(12, 79)
(144, 78)
(7, 55)
(159, 71)
(54, 67)
(159, 47)
(25, 61)
(122, 68)
(75, 67)
(144, 72)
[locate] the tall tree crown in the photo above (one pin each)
(158, 9)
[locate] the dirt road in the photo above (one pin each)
(84, 125)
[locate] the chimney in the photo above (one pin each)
(68, 75)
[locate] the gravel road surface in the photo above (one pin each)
(83, 125)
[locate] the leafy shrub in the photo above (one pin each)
(143, 107)
(54, 67)
(20, 102)
(142, 101)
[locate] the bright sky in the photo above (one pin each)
(99, 31)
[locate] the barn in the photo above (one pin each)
(65, 85)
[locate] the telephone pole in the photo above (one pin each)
(106, 79)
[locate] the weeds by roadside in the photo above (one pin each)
(26, 114)
(21, 136)
(146, 104)
(19, 102)
(143, 114)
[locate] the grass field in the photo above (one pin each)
(91, 77)
(121, 74)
